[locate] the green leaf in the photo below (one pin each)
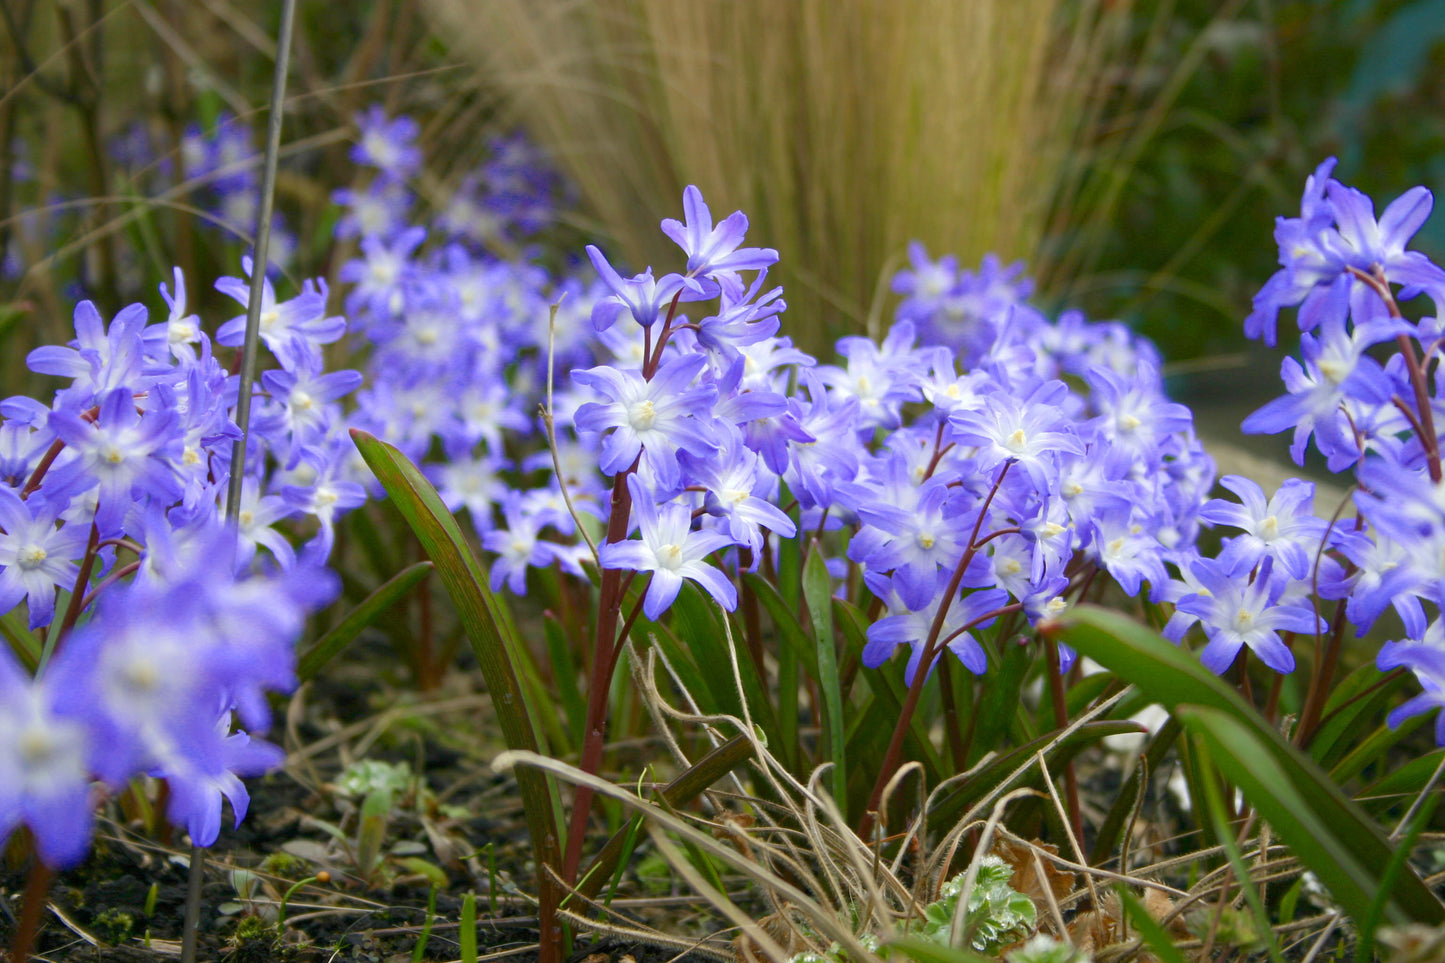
(927, 951)
(333, 642)
(998, 703)
(679, 792)
(23, 643)
(1111, 831)
(564, 674)
(993, 778)
(1328, 828)
(1373, 749)
(818, 594)
(489, 629)
(1353, 706)
(467, 936)
(1345, 850)
(1408, 780)
(1149, 929)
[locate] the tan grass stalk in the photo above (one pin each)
(844, 128)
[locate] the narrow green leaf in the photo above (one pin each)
(467, 935)
(678, 793)
(1373, 749)
(1346, 851)
(795, 649)
(1352, 708)
(1224, 832)
(993, 777)
(23, 643)
(1149, 929)
(818, 594)
(1408, 780)
(488, 628)
(927, 951)
(564, 674)
(332, 643)
(1173, 676)
(1111, 831)
(998, 703)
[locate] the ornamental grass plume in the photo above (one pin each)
(844, 128)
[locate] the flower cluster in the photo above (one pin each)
(993, 475)
(174, 621)
(1347, 274)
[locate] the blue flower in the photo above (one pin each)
(671, 550)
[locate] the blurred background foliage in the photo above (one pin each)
(1149, 158)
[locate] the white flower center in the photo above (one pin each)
(642, 415)
(1017, 441)
(669, 556)
(30, 557)
(1269, 528)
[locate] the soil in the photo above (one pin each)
(461, 819)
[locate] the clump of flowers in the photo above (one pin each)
(175, 624)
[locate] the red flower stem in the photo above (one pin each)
(609, 606)
(36, 889)
(77, 593)
(111, 579)
(52, 453)
(893, 756)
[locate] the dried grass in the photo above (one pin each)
(844, 128)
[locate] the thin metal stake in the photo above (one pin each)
(248, 376)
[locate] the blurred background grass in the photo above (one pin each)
(1135, 154)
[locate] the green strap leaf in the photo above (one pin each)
(817, 595)
(333, 642)
(1173, 678)
(489, 629)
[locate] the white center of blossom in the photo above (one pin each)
(642, 415)
(269, 319)
(180, 332)
(862, 385)
(1127, 422)
(37, 747)
(1055, 606)
(521, 547)
(1116, 546)
(1269, 528)
(1333, 370)
(426, 337)
(30, 557)
(1071, 489)
(324, 497)
(736, 496)
(112, 454)
(926, 540)
(1017, 441)
(1243, 620)
(191, 456)
(301, 401)
(669, 556)
(953, 391)
(246, 517)
(1051, 530)
(141, 677)
(1009, 566)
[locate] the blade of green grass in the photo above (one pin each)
(488, 629)
(817, 595)
(332, 643)
(1347, 852)
(1172, 677)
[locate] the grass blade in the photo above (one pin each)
(817, 595)
(488, 628)
(1173, 677)
(333, 642)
